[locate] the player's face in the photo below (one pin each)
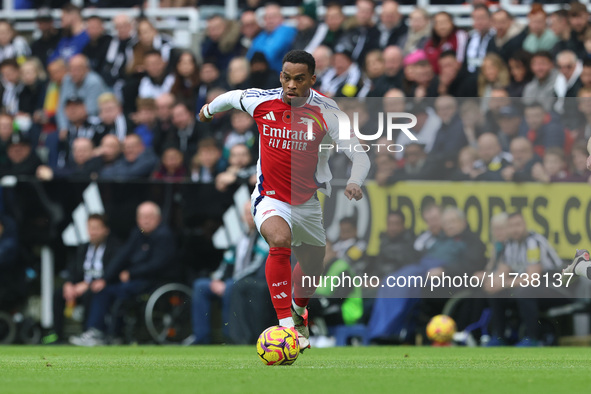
(296, 81)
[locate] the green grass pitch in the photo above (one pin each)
(237, 369)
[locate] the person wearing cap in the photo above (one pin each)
(510, 120)
(276, 38)
(80, 82)
(44, 46)
(344, 79)
(74, 36)
(22, 159)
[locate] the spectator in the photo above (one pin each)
(221, 41)
(323, 58)
(344, 79)
(524, 159)
(578, 19)
(81, 167)
(11, 85)
(171, 167)
(491, 158)
(472, 120)
(74, 36)
(509, 34)
(392, 25)
(148, 41)
(119, 52)
(145, 120)
(307, 27)
(452, 80)
(96, 49)
(520, 70)
(249, 28)
(79, 82)
(12, 46)
(419, 30)
(163, 121)
(464, 170)
(12, 280)
(261, 75)
(385, 169)
(137, 162)
(424, 82)
(32, 95)
(431, 215)
(364, 36)
(205, 164)
(584, 107)
(541, 88)
(444, 37)
(579, 171)
(396, 246)
(542, 130)
(106, 155)
(525, 252)
(333, 24)
(348, 245)
(79, 125)
(57, 71)
(91, 261)
(22, 159)
(509, 119)
(428, 123)
(246, 259)
(553, 167)
(6, 131)
(561, 29)
(586, 74)
(479, 39)
(276, 40)
(210, 80)
(392, 75)
(417, 164)
(540, 38)
(237, 75)
(493, 74)
(450, 138)
(188, 132)
(186, 77)
(144, 260)
(243, 132)
(43, 47)
(112, 120)
(567, 83)
(240, 169)
(156, 81)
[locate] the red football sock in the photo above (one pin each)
(278, 274)
(302, 293)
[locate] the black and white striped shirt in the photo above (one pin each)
(534, 249)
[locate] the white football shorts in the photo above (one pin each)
(305, 220)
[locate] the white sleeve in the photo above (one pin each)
(361, 163)
(244, 100)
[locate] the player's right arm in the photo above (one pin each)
(243, 100)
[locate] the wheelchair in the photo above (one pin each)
(164, 312)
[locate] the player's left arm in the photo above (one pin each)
(361, 163)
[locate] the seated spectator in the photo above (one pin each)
(578, 19)
(221, 41)
(473, 120)
(249, 27)
(145, 120)
(188, 132)
(98, 43)
(81, 167)
(162, 125)
(6, 131)
(525, 252)
(12, 46)
(307, 26)
(540, 37)
(579, 171)
(524, 159)
(186, 78)
(237, 75)
(479, 39)
(417, 164)
(562, 30)
(79, 125)
(583, 129)
(396, 246)
(91, 261)
(391, 77)
(348, 245)
(509, 34)
(106, 154)
(493, 74)
(32, 95)
(205, 163)
(119, 53)
(465, 170)
(243, 260)
(445, 36)
(428, 123)
(243, 132)
(333, 25)
(22, 159)
(137, 162)
(43, 46)
(144, 261)
(552, 168)
(509, 119)
(156, 81)
(541, 88)
(261, 76)
(542, 130)
(74, 36)
(452, 80)
(567, 84)
(240, 169)
(171, 167)
(385, 169)
(424, 82)
(392, 24)
(57, 71)
(209, 75)
(520, 70)
(148, 40)
(419, 30)
(10, 85)
(12, 280)
(112, 120)
(450, 137)
(80, 82)
(361, 36)
(276, 38)
(491, 159)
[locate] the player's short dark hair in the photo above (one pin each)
(398, 213)
(545, 54)
(99, 216)
(300, 57)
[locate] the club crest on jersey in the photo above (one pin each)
(287, 116)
